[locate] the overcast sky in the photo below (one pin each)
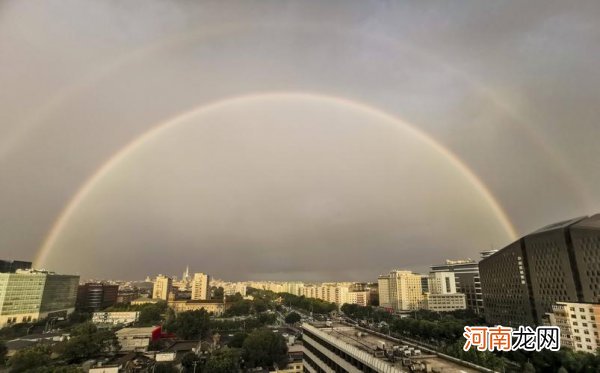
(322, 140)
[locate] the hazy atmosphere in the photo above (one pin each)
(291, 140)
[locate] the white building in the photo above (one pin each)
(578, 325)
(162, 287)
(137, 339)
(442, 283)
(200, 287)
(115, 318)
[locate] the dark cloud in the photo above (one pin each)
(511, 88)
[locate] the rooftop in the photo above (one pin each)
(370, 342)
(136, 331)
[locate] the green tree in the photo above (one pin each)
(239, 308)
(218, 292)
(225, 360)
(237, 340)
(3, 352)
(87, 341)
(189, 360)
(151, 313)
(562, 370)
(191, 324)
(30, 359)
(528, 368)
(164, 368)
(263, 348)
(292, 318)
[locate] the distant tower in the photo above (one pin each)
(186, 274)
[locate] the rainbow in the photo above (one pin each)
(63, 219)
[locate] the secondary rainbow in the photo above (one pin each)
(63, 219)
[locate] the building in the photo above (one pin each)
(445, 302)
(142, 300)
(116, 318)
(404, 291)
(216, 308)
(31, 295)
(441, 283)
(343, 348)
(557, 263)
(200, 287)
(11, 266)
(93, 297)
(578, 325)
(137, 339)
(383, 284)
(361, 298)
(126, 297)
(442, 295)
(163, 287)
(468, 282)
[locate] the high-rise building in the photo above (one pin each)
(200, 287)
(466, 275)
(30, 295)
(11, 266)
(404, 290)
(94, 297)
(383, 285)
(441, 283)
(558, 263)
(163, 287)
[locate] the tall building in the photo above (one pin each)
(404, 291)
(200, 287)
(442, 295)
(11, 266)
(94, 297)
(466, 275)
(383, 285)
(558, 263)
(441, 283)
(30, 295)
(163, 286)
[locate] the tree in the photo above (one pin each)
(3, 352)
(87, 341)
(292, 318)
(191, 324)
(218, 292)
(528, 368)
(263, 348)
(239, 308)
(151, 313)
(189, 360)
(237, 340)
(30, 359)
(562, 370)
(164, 368)
(225, 360)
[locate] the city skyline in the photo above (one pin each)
(310, 142)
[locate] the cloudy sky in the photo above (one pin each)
(291, 140)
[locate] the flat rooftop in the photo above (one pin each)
(369, 342)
